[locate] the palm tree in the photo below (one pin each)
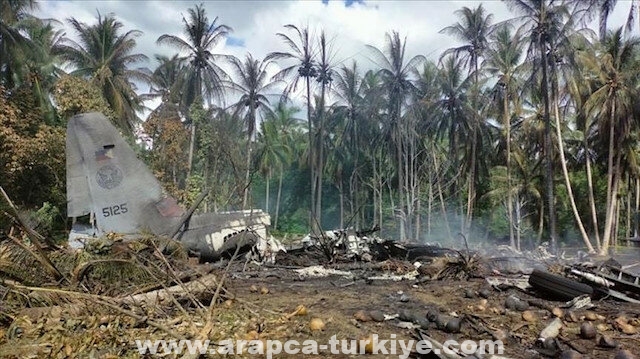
(375, 150)
(201, 77)
(252, 83)
(324, 78)
(41, 63)
(473, 30)
(612, 103)
(453, 106)
(349, 89)
(579, 87)
(272, 154)
(164, 123)
(277, 138)
(105, 55)
(503, 60)
(12, 39)
(303, 67)
(166, 80)
(542, 22)
(396, 74)
(427, 112)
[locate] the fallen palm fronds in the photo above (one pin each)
(463, 266)
(37, 250)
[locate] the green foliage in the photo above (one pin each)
(396, 134)
(195, 185)
(105, 55)
(32, 160)
(47, 218)
(74, 95)
(168, 156)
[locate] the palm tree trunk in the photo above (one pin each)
(341, 191)
(608, 223)
(551, 208)
(313, 224)
(592, 201)
(401, 188)
(275, 223)
(565, 172)
(474, 144)
(266, 204)
(320, 163)
(247, 176)
(507, 125)
(192, 145)
(611, 222)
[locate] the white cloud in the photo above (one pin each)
(257, 22)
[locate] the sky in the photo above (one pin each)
(350, 24)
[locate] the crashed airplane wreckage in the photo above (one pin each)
(107, 182)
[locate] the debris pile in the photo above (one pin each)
(115, 291)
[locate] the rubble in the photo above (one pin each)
(280, 301)
(115, 290)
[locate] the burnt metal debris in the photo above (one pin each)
(539, 304)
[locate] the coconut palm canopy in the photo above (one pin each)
(514, 121)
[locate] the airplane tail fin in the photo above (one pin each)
(105, 177)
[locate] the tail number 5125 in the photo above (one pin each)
(116, 210)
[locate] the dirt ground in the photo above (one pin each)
(336, 302)
(264, 303)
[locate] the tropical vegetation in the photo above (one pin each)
(525, 132)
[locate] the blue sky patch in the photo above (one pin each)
(235, 41)
(347, 3)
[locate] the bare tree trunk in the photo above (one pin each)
(442, 204)
(616, 223)
(519, 224)
(416, 230)
(637, 208)
(628, 210)
(541, 222)
(429, 208)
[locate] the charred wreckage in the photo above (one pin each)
(107, 183)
